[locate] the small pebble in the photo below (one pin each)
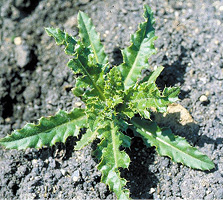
(63, 172)
(152, 190)
(17, 40)
(203, 98)
(23, 57)
(31, 92)
(7, 120)
(76, 175)
(78, 104)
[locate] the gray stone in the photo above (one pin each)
(23, 55)
(76, 176)
(31, 92)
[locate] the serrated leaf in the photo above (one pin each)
(91, 38)
(112, 159)
(63, 38)
(153, 75)
(175, 147)
(113, 84)
(135, 57)
(96, 126)
(90, 72)
(172, 93)
(50, 130)
(147, 96)
(87, 138)
(112, 99)
(113, 89)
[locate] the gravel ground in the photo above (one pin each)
(34, 82)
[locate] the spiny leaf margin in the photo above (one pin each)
(112, 159)
(63, 38)
(135, 57)
(167, 144)
(90, 37)
(50, 130)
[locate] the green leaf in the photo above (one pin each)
(62, 38)
(172, 93)
(167, 144)
(112, 159)
(147, 96)
(91, 72)
(87, 138)
(135, 57)
(49, 131)
(91, 38)
(114, 88)
(112, 97)
(96, 124)
(153, 75)
(113, 84)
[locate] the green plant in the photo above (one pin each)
(116, 99)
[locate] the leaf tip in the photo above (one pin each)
(148, 13)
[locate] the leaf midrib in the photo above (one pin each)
(48, 130)
(114, 143)
(93, 82)
(173, 147)
(153, 98)
(136, 58)
(92, 45)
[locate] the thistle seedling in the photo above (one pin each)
(116, 99)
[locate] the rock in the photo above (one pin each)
(31, 92)
(78, 104)
(179, 120)
(58, 174)
(175, 112)
(21, 4)
(21, 172)
(17, 41)
(23, 55)
(52, 163)
(152, 190)
(71, 22)
(63, 172)
(203, 98)
(76, 176)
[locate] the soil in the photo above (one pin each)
(35, 82)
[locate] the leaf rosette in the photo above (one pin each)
(116, 99)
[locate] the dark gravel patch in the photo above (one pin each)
(34, 82)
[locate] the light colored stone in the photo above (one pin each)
(17, 40)
(152, 190)
(78, 104)
(76, 175)
(178, 118)
(7, 120)
(63, 172)
(71, 22)
(203, 98)
(23, 57)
